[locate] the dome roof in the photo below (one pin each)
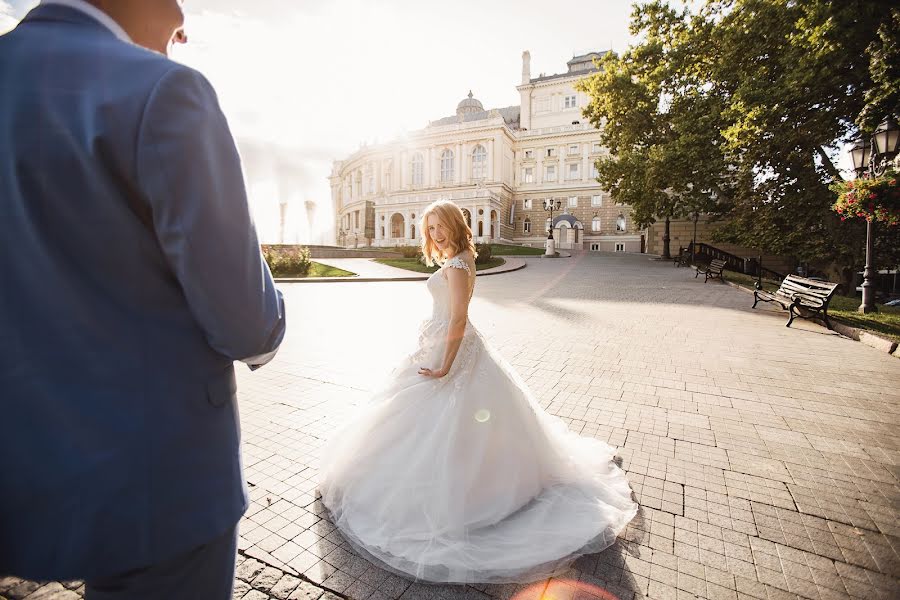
(469, 105)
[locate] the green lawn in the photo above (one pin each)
(413, 264)
(507, 250)
(318, 270)
(886, 321)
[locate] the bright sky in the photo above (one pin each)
(304, 83)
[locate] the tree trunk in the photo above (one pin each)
(666, 253)
(827, 164)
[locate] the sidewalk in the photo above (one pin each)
(368, 270)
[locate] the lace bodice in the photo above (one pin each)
(439, 287)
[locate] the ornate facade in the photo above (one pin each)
(498, 165)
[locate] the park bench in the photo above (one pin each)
(711, 271)
(796, 293)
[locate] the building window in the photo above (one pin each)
(573, 201)
(574, 150)
(387, 174)
(370, 180)
(528, 175)
(529, 154)
(571, 101)
(550, 173)
(479, 162)
(418, 169)
(551, 152)
(574, 172)
(356, 219)
(620, 223)
(527, 225)
(620, 247)
(447, 173)
(595, 224)
(595, 247)
(594, 172)
(597, 200)
(596, 148)
(526, 204)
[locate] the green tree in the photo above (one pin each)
(756, 100)
(658, 117)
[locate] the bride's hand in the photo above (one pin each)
(437, 373)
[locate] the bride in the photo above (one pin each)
(453, 472)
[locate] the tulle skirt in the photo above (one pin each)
(466, 478)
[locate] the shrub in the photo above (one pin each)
(409, 251)
(284, 261)
(484, 253)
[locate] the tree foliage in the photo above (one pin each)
(657, 115)
(745, 104)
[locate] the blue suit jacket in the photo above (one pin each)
(130, 280)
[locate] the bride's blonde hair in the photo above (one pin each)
(458, 232)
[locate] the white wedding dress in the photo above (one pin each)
(465, 478)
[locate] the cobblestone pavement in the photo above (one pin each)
(765, 459)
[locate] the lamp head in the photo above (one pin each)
(886, 138)
(860, 153)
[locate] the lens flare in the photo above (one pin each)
(483, 415)
(559, 589)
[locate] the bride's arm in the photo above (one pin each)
(459, 312)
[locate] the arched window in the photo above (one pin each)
(447, 173)
(620, 223)
(418, 169)
(397, 225)
(595, 224)
(527, 225)
(479, 162)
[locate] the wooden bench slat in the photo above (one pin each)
(796, 291)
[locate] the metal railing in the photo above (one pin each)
(705, 253)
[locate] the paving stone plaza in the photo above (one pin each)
(765, 459)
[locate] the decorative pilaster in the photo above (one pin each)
(490, 160)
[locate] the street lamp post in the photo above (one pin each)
(871, 158)
(551, 205)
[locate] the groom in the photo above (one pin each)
(130, 280)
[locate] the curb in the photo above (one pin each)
(868, 338)
(507, 268)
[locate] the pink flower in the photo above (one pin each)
(872, 196)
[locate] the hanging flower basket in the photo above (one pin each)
(873, 199)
